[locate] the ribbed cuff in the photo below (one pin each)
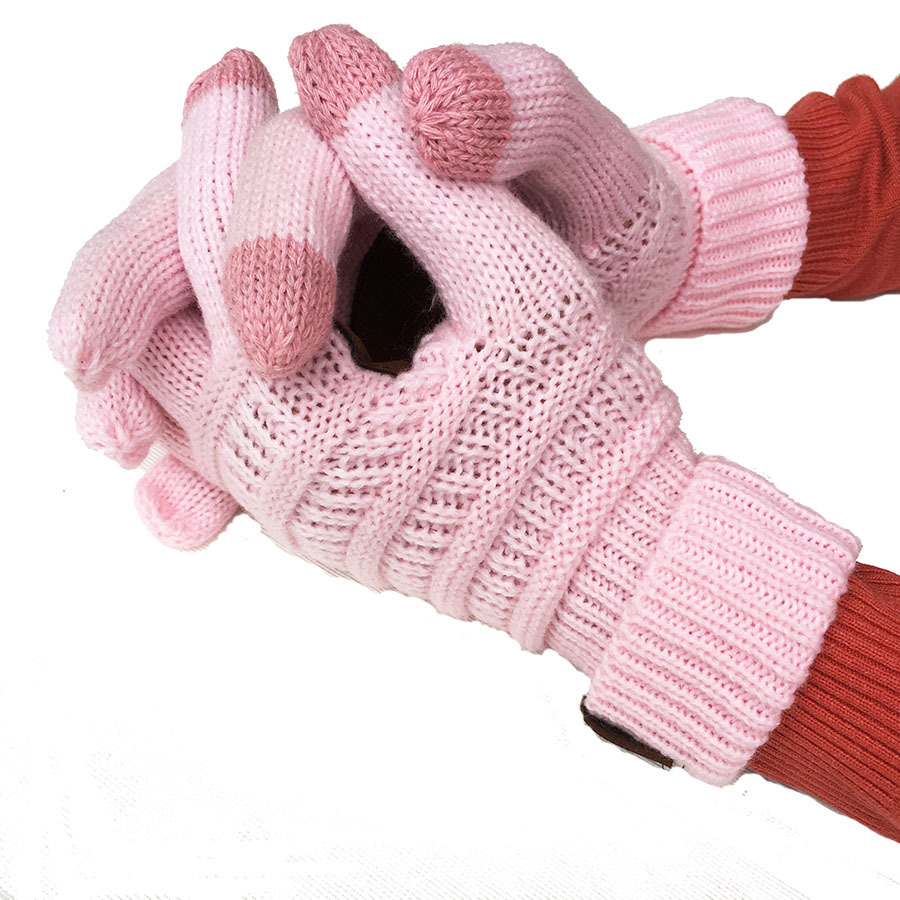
(840, 740)
(725, 624)
(740, 165)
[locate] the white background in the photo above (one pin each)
(237, 723)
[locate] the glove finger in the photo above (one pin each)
(504, 111)
(515, 112)
(180, 507)
(288, 226)
(174, 364)
(224, 107)
(124, 281)
(495, 264)
(119, 419)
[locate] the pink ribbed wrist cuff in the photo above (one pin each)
(740, 167)
(724, 626)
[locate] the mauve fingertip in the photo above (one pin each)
(281, 296)
(459, 110)
(236, 68)
(336, 68)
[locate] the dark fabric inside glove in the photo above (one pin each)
(395, 304)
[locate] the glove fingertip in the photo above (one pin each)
(335, 69)
(180, 507)
(460, 111)
(237, 68)
(281, 296)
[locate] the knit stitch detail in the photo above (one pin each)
(236, 67)
(724, 627)
(127, 279)
(120, 419)
(460, 111)
(263, 277)
(549, 487)
(741, 165)
(288, 226)
(838, 740)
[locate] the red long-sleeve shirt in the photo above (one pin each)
(840, 740)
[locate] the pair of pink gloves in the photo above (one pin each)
(528, 469)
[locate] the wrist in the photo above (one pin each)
(840, 738)
(850, 144)
(739, 167)
(700, 654)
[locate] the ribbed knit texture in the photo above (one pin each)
(528, 471)
(723, 628)
(695, 222)
(840, 740)
(851, 147)
(745, 174)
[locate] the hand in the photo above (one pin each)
(527, 471)
(130, 278)
(696, 222)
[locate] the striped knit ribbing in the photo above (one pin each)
(840, 740)
(741, 165)
(850, 144)
(527, 470)
(725, 624)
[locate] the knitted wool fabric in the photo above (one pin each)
(527, 471)
(851, 147)
(132, 271)
(284, 240)
(840, 740)
(725, 182)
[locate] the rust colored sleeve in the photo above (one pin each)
(840, 740)
(850, 144)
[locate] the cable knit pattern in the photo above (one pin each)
(528, 471)
(743, 169)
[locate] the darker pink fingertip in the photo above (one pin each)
(237, 67)
(459, 110)
(281, 298)
(335, 69)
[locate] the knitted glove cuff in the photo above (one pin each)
(840, 740)
(725, 624)
(740, 167)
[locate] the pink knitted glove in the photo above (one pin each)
(293, 222)
(527, 471)
(130, 278)
(696, 222)
(123, 286)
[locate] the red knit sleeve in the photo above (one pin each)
(850, 144)
(840, 740)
